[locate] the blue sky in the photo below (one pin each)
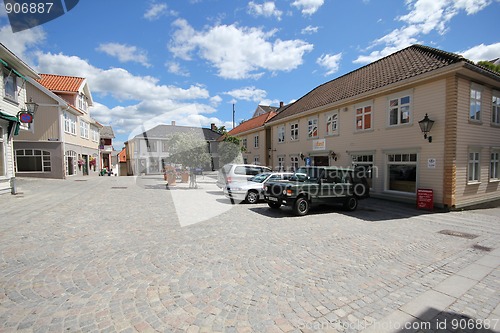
(189, 61)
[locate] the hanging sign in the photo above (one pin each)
(26, 117)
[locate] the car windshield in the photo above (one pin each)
(305, 173)
(260, 177)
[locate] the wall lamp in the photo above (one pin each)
(26, 116)
(426, 125)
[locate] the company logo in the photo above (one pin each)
(25, 14)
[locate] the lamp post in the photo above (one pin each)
(26, 116)
(425, 126)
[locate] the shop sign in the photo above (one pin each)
(425, 199)
(319, 144)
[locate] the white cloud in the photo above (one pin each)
(309, 30)
(247, 94)
(266, 9)
(215, 101)
(175, 68)
(22, 42)
(308, 7)
(156, 10)
(330, 62)
(424, 17)
(125, 53)
(236, 52)
(482, 52)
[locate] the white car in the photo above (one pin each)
(251, 190)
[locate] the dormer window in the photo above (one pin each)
(82, 102)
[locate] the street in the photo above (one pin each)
(126, 254)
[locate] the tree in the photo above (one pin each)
(489, 65)
(188, 149)
(230, 148)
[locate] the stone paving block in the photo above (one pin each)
(475, 271)
(428, 305)
(455, 286)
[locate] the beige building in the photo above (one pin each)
(370, 117)
(64, 139)
(14, 73)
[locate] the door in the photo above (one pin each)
(321, 161)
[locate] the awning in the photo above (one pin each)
(14, 122)
(15, 72)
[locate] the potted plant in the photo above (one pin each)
(185, 176)
(80, 163)
(92, 163)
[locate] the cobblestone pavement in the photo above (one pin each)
(109, 254)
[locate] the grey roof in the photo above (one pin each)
(164, 131)
(106, 132)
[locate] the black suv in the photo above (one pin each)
(318, 185)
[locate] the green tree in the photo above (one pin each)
(188, 149)
(489, 65)
(230, 148)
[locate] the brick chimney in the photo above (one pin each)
(213, 127)
(173, 123)
(281, 104)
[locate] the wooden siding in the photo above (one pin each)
(450, 143)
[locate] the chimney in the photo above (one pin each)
(281, 104)
(213, 127)
(173, 123)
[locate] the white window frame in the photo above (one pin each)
(281, 134)
(495, 108)
(281, 163)
(474, 166)
(10, 75)
(256, 141)
(256, 160)
(405, 158)
(332, 123)
(294, 131)
(361, 117)
(84, 129)
(312, 125)
(476, 93)
(82, 102)
(244, 143)
(44, 156)
(495, 165)
(294, 162)
(402, 106)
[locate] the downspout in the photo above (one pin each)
(61, 135)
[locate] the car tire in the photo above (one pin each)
(351, 204)
(274, 205)
(252, 197)
(301, 206)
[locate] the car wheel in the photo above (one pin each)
(301, 206)
(351, 204)
(274, 205)
(252, 197)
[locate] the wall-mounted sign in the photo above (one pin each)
(319, 144)
(25, 117)
(431, 163)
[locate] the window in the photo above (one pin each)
(71, 162)
(294, 132)
(33, 160)
(364, 118)
(494, 165)
(281, 134)
(10, 85)
(70, 123)
(256, 141)
(312, 128)
(495, 108)
(84, 129)
(2, 150)
(244, 144)
(294, 162)
(151, 146)
(95, 134)
(332, 123)
(365, 163)
(475, 103)
(473, 167)
(256, 160)
(399, 111)
(402, 171)
(82, 102)
(164, 146)
(281, 163)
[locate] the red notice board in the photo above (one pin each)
(425, 198)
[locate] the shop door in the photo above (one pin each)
(321, 161)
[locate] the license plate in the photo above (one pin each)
(273, 199)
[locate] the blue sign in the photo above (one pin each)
(308, 161)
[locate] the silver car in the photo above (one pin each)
(230, 173)
(251, 190)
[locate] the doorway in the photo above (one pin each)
(321, 161)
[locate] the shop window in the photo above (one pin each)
(33, 160)
(364, 163)
(402, 172)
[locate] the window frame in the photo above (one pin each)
(494, 172)
(6, 76)
(84, 129)
(332, 125)
(294, 131)
(281, 134)
(402, 162)
(400, 108)
(474, 167)
(256, 141)
(45, 160)
(495, 108)
(478, 102)
(363, 116)
(312, 125)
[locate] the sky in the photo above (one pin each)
(156, 61)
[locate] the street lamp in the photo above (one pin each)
(425, 126)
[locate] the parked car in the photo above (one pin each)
(251, 191)
(318, 185)
(230, 173)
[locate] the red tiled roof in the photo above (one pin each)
(252, 123)
(404, 64)
(61, 83)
